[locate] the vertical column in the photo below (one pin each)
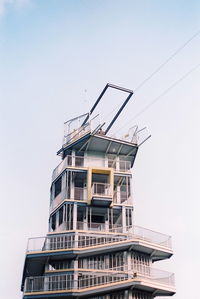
(132, 215)
(50, 222)
(85, 162)
(107, 221)
(57, 220)
(75, 282)
(118, 194)
(129, 263)
(73, 158)
(130, 296)
(131, 191)
(86, 218)
(52, 192)
(75, 216)
(117, 164)
(46, 283)
(124, 219)
(63, 187)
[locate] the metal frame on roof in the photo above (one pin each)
(130, 93)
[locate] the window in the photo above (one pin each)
(98, 219)
(58, 186)
(53, 222)
(60, 216)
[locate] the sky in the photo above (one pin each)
(55, 58)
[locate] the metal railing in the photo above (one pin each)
(101, 189)
(121, 165)
(67, 240)
(151, 236)
(79, 193)
(154, 275)
(77, 133)
(81, 280)
(122, 197)
(80, 161)
(91, 226)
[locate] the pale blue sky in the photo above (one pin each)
(50, 52)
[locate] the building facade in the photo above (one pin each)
(93, 249)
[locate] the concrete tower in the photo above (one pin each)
(93, 249)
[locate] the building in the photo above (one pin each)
(93, 249)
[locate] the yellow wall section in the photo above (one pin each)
(91, 170)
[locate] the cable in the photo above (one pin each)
(160, 96)
(166, 61)
(158, 69)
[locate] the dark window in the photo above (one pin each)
(61, 216)
(98, 219)
(68, 184)
(53, 222)
(58, 185)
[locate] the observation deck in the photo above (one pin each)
(89, 283)
(96, 240)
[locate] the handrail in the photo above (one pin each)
(77, 133)
(80, 161)
(80, 280)
(67, 240)
(80, 193)
(101, 189)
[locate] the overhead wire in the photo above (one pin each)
(140, 85)
(166, 61)
(160, 96)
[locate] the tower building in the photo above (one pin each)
(93, 248)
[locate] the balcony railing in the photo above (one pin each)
(122, 197)
(79, 194)
(81, 280)
(67, 240)
(101, 189)
(77, 133)
(79, 161)
(151, 236)
(94, 226)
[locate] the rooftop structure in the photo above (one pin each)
(93, 249)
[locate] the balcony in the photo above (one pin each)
(101, 194)
(77, 133)
(121, 197)
(98, 239)
(79, 161)
(83, 281)
(79, 193)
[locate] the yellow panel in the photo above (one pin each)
(89, 184)
(91, 170)
(101, 170)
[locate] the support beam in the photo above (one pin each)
(95, 104)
